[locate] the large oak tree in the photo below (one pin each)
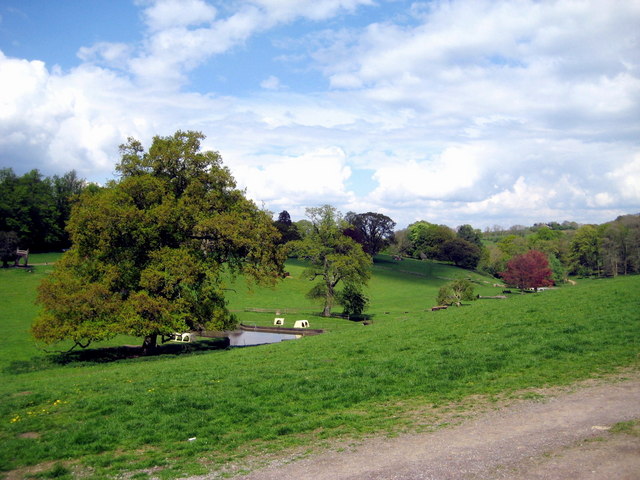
(150, 252)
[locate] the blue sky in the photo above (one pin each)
(485, 112)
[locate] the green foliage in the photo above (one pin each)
(9, 243)
(333, 256)
(374, 231)
(353, 300)
(304, 227)
(37, 208)
(609, 249)
(402, 244)
(513, 245)
(585, 250)
(559, 273)
(428, 239)
(470, 234)
(455, 292)
(462, 253)
(621, 246)
(288, 230)
(159, 268)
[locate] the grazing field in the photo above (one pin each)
(199, 411)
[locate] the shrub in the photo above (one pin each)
(455, 292)
(353, 300)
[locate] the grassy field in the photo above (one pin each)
(173, 415)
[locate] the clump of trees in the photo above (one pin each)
(288, 230)
(35, 209)
(429, 241)
(610, 249)
(151, 251)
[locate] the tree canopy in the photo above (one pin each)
(428, 239)
(530, 270)
(8, 246)
(36, 208)
(150, 252)
(374, 231)
(334, 257)
(470, 234)
(288, 230)
(462, 253)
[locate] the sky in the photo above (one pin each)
(481, 112)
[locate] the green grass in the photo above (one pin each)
(631, 427)
(106, 418)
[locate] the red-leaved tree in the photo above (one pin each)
(529, 270)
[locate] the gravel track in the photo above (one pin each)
(563, 436)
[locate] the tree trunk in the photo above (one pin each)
(149, 344)
(328, 300)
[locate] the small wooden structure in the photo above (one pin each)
(22, 254)
(301, 324)
(278, 321)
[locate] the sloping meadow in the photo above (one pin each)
(201, 410)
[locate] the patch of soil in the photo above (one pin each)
(22, 473)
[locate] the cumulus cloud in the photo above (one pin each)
(309, 179)
(476, 112)
(451, 173)
(626, 179)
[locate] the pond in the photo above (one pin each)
(243, 338)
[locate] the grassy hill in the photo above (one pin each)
(196, 412)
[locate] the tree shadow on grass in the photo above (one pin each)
(92, 356)
(363, 317)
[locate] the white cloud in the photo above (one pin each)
(182, 34)
(113, 54)
(271, 83)
(282, 11)
(309, 179)
(627, 180)
(470, 112)
(169, 14)
(453, 171)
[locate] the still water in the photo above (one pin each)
(244, 338)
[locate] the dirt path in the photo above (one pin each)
(560, 437)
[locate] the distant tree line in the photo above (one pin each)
(610, 249)
(35, 209)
